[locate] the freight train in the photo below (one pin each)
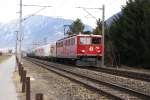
(84, 50)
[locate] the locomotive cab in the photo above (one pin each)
(89, 49)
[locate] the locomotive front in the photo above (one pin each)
(89, 49)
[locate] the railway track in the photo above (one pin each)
(124, 73)
(118, 71)
(113, 90)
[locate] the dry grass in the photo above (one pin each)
(4, 57)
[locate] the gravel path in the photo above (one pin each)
(56, 87)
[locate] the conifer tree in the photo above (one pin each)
(130, 33)
(77, 26)
(98, 29)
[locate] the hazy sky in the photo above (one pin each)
(60, 8)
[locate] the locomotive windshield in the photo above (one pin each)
(85, 40)
(96, 40)
(89, 40)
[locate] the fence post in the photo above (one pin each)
(19, 68)
(39, 96)
(24, 80)
(28, 88)
(21, 73)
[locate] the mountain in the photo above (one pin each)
(36, 29)
(110, 20)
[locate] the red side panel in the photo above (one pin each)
(59, 50)
(67, 50)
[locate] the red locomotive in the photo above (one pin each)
(83, 49)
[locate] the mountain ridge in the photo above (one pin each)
(35, 29)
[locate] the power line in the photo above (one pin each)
(89, 13)
(90, 8)
(35, 5)
(34, 13)
(20, 25)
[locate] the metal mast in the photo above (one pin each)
(20, 30)
(16, 43)
(103, 27)
(103, 34)
(20, 25)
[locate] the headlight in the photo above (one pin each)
(83, 51)
(98, 51)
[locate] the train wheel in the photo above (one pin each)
(98, 63)
(84, 63)
(80, 63)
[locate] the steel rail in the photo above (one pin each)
(119, 88)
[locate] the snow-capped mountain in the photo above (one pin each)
(35, 29)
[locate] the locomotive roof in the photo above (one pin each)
(80, 35)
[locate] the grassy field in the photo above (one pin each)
(4, 57)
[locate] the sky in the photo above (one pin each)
(61, 8)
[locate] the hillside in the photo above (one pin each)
(36, 29)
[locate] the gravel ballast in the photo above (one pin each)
(54, 86)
